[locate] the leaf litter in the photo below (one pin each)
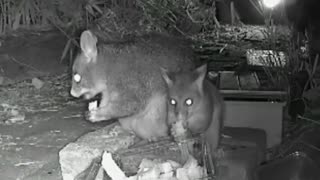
(21, 98)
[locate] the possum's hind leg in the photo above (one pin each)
(151, 122)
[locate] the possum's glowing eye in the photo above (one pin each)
(189, 102)
(77, 78)
(173, 102)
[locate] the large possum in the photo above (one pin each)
(128, 77)
(196, 102)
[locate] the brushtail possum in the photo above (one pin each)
(128, 77)
(196, 102)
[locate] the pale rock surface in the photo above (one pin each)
(77, 156)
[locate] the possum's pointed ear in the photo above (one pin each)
(88, 44)
(166, 76)
(201, 73)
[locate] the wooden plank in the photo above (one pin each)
(247, 94)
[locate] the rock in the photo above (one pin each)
(37, 83)
(77, 156)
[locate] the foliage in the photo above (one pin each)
(299, 73)
(179, 15)
(277, 69)
(23, 13)
(117, 17)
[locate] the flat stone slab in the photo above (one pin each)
(77, 156)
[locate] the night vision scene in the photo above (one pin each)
(159, 90)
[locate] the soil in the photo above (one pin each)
(36, 121)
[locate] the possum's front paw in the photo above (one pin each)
(95, 114)
(179, 130)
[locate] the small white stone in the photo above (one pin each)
(37, 83)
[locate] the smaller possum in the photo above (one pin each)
(195, 103)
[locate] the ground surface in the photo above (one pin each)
(35, 123)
